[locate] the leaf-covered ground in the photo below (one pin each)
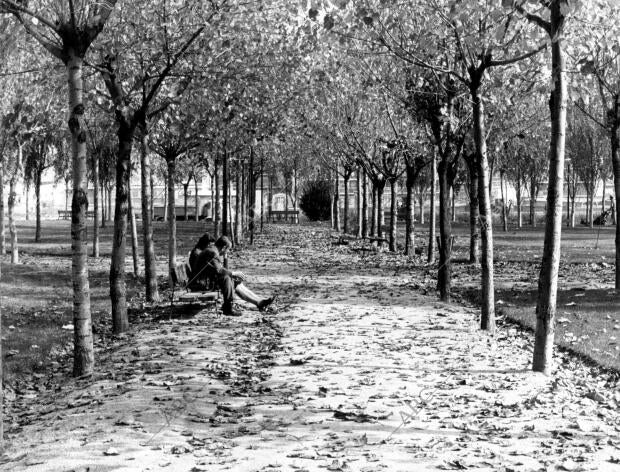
(361, 369)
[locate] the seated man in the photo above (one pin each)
(207, 263)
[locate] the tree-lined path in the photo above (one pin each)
(359, 370)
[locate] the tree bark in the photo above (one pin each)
(337, 202)
(172, 217)
(380, 213)
(217, 209)
(487, 320)
(345, 219)
(474, 213)
(2, 225)
(12, 228)
(373, 218)
(431, 216)
(118, 287)
(364, 205)
(421, 207)
(225, 194)
(615, 160)
(548, 280)
(394, 215)
(196, 201)
(95, 252)
(410, 213)
(445, 232)
(238, 197)
(83, 352)
(533, 196)
(185, 189)
(146, 178)
(134, 233)
(37, 197)
(358, 204)
(252, 197)
(504, 213)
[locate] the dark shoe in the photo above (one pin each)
(262, 306)
(230, 310)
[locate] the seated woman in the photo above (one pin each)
(207, 264)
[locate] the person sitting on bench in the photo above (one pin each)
(206, 264)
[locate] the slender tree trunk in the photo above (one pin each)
(591, 207)
(444, 276)
(238, 197)
(380, 212)
(252, 197)
(83, 352)
(365, 225)
(37, 197)
(504, 213)
(104, 212)
(474, 214)
(358, 204)
(2, 225)
(615, 161)
(134, 234)
(519, 196)
(487, 320)
(225, 194)
(12, 227)
(394, 215)
(217, 209)
(27, 201)
(548, 280)
(453, 204)
(431, 216)
(262, 192)
(410, 212)
(185, 188)
(345, 218)
(295, 193)
(172, 217)
(166, 204)
(196, 201)
(146, 180)
(337, 203)
(421, 207)
(118, 287)
(95, 252)
(244, 189)
(533, 195)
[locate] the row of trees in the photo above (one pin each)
(411, 92)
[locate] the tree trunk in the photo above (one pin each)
(262, 192)
(118, 287)
(238, 197)
(146, 178)
(95, 252)
(487, 320)
(474, 214)
(37, 197)
(421, 207)
(83, 352)
(172, 217)
(364, 205)
(225, 194)
(242, 185)
(134, 233)
(27, 201)
(504, 213)
(431, 216)
(2, 226)
(12, 228)
(166, 199)
(345, 218)
(394, 215)
(615, 161)
(358, 205)
(548, 280)
(380, 212)
(217, 209)
(444, 275)
(196, 201)
(533, 195)
(295, 192)
(410, 214)
(185, 189)
(151, 186)
(337, 203)
(252, 197)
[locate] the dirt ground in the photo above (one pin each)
(358, 369)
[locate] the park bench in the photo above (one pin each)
(66, 214)
(279, 215)
(179, 276)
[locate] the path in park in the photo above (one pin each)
(359, 371)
